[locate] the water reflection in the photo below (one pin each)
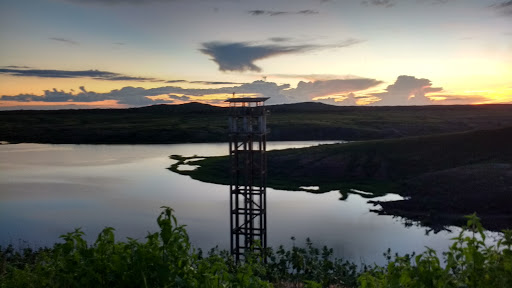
(48, 190)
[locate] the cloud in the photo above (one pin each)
(214, 82)
(280, 39)
(281, 13)
(315, 77)
(16, 67)
(382, 3)
(94, 74)
(407, 90)
(128, 95)
(120, 2)
(447, 99)
(306, 91)
(391, 3)
(504, 7)
(24, 71)
(349, 99)
(181, 98)
(240, 56)
(64, 40)
(138, 96)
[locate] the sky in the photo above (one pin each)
(57, 54)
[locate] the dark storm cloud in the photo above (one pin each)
(281, 13)
(94, 74)
(64, 40)
(240, 56)
(504, 7)
(407, 90)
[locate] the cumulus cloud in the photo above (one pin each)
(240, 56)
(137, 96)
(306, 91)
(350, 100)
(281, 13)
(64, 40)
(130, 96)
(407, 90)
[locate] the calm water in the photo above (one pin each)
(48, 190)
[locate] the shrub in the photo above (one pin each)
(468, 263)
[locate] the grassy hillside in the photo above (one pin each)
(455, 174)
(196, 122)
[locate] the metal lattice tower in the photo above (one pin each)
(247, 147)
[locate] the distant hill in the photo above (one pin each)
(192, 107)
(195, 122)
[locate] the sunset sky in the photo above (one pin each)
(127, 53)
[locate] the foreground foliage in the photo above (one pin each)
(166, 259)
(468, 263)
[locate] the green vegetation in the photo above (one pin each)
(166, 259)
(196, 122)
(468, 263)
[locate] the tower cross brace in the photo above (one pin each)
(247, 152)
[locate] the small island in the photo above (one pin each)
(442, 177)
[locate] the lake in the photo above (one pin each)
(48, 190)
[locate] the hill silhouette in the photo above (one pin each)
(196, 122)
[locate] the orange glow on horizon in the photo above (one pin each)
(66, 105)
